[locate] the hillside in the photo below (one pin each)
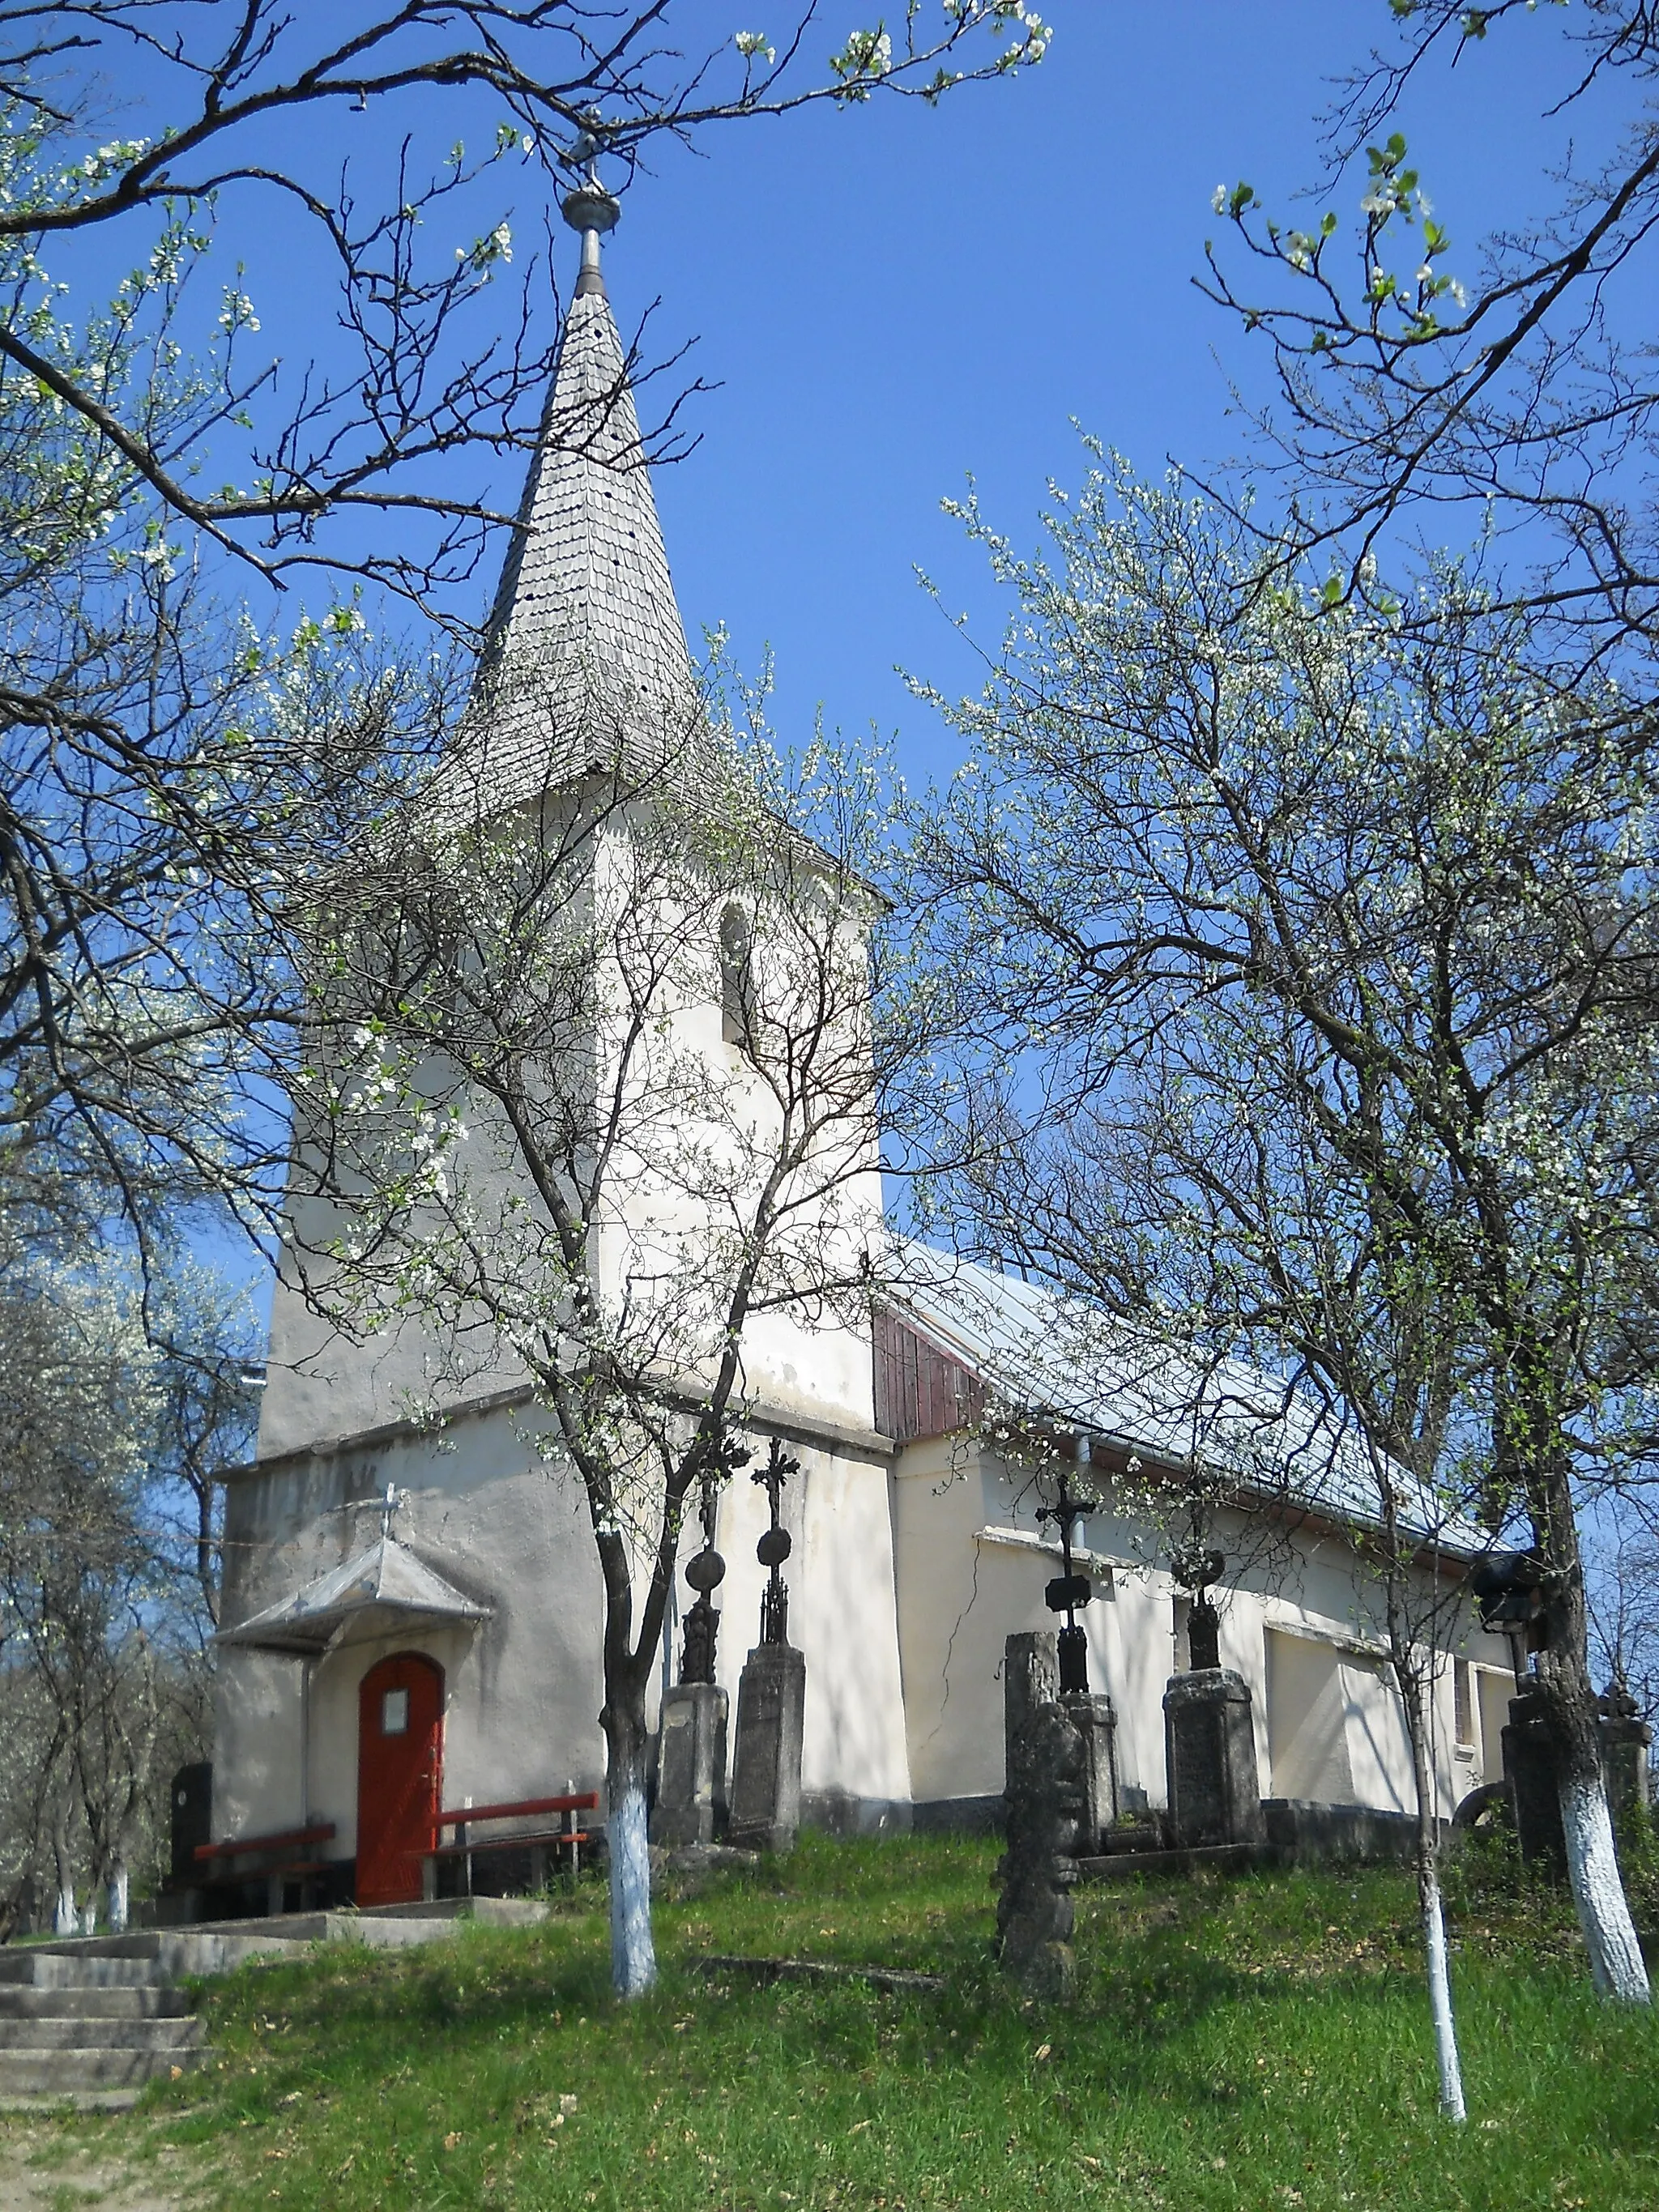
(1258, 2043)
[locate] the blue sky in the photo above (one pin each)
(893, 298)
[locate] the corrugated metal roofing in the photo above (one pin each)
(1059, 1359)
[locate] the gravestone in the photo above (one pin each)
(1529, 1767)
(1626, 1739)
(1031, 1678)
(765, 1812)
(1044, 1796)
(1096, 1722)
(1209, 1742)
(690, 1807)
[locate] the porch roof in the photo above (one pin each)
(378, 1592)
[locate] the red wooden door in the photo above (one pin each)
(401, 1716)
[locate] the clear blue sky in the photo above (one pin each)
(893, 298)
(890, 297)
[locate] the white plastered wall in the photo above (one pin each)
(521, 1689)
(842, 1613)
(1299, 1626)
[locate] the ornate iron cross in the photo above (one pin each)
(776, 1546)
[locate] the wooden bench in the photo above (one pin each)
(222, 1871)
(539, 1842)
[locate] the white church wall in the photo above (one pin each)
(843, 1615)
(695, 1174)
(1295, 1625)
(521, 1690)
(1495, 1687)
(257, 1738)
(846, 1614)
(950, 1630)
(1308, 1721)
(323, 1385)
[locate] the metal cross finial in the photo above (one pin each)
(589, 209)
(706, 1571)
(391, 1505)
(776, 1546)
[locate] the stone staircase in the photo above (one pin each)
(88, 2021)
(83, 2027)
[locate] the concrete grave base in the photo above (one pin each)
(1210, 1745)
(690, 1805)
(766, 1770)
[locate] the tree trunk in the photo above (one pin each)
(65, 1920)
(1562, 1674)
(632, 1956)
(1561, 1670)
(1598, 1890)
(1440, 1997)
(1430, 1902)
(115, 1892)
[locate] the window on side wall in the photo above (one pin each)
(1463, 1705)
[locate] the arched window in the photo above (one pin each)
(736, 982)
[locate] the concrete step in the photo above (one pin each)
(182, 2033)
(74, 2070)
(36, 1967)
(22, 2001)
(155, 1956)
(74, 2100)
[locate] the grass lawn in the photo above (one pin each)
(1259, 2042)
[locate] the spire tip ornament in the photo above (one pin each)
(593, 211)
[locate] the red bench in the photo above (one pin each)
(223, 1871)
(539, 1842)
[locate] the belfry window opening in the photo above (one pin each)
(737, 979)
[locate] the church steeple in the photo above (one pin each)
(587, 663)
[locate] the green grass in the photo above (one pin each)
(1259, 2042)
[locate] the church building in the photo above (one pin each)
(412, 1608)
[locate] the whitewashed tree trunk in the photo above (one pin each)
(66, 1918)
(1598, 1890)
(1430, 1901)
(633, 1954)
(115, 1894)
(1440, 1998)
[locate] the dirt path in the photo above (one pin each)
(49, 2165)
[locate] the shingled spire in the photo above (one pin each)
(586, 664)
